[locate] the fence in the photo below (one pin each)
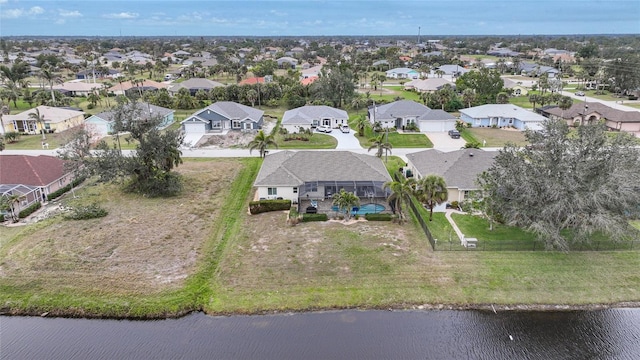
(422, 223)
(519, 245)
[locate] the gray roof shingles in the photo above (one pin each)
(293, 168)
(458, 168)
(306, 114)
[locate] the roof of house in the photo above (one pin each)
(51, 114)
(404, 108)
(251, 81)
(306, 114)
(309, 80)
(232, 110)
(503, 111)
(452, 69)
(431, 84)
(195, 83)
(607, 112)
(146, 110)
(39, 170)
(77, 86)
(126, 85)
(459, 168)
(293, 168)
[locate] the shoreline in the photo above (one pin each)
(78, 314)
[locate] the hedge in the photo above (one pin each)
(378, 217)
(314, 217)
(56, 194)
(257, 207)
(30, 210)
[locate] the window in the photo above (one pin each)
(311, 187)
(477, 121)
(295, 190)
(235, 124)
(272, 191)
(465, 194)
(510, 121)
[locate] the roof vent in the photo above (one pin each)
(470, 154)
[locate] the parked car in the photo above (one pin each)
(579, 93)
(455, 134)
(324, 128)
(345, 129)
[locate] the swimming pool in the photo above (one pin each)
(365, 209)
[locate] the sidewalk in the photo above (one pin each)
(447, 214)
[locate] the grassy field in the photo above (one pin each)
(201, 250)
(397, 140)
(317, 141)
(494, 137)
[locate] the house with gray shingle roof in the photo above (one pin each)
(307, 117)
(583, 113)
(402, 113)
(193, 85)
(102, 124)
(459, 169)
(287, 62)
(223, 116)
(317, 175)
(502, 115)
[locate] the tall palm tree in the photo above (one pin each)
(361, 124)
(262, 142)
(345, 201)
(39, 118)
(50, 76)
(432, 191)
(401, 192)
(356, 103)
(565, 103)
(468, 96)
(381, 145)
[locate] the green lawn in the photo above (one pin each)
(34, 142)
(317, 141)
(397, 140)
(393, 164)
(635, 224)
(494, 137)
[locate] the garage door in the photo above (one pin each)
(195, 128)
(437, 125)
(97, 129)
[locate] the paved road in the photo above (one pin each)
(611, 104)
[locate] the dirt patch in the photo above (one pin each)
(234, 139)
(143, 246)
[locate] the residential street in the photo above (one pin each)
(611, 104)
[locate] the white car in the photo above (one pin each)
(345, 129)
(324, 129)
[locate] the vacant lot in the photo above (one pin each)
(497, 137)
(143, 246)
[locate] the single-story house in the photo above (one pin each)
(97, 74)
(55, 119)
(459, 169)
(453, 70)
(122, 88)
(223, 115)
(309, 116)
(305, 176)
(313, 71)
(614, 119)
(32, 177)
(399, 114)
(428, 85)
(515, 88)
(533, 69)
(287, 62)
(502, 115)
(402, 73)
(101, 124)
(77, 88)
(193, 85)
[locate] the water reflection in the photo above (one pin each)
(608, 334)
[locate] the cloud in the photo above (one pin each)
(3, 1)
(61, 21)
(122, 15)
(36, 10)
(17, 13)
(278, 13)
(70, 13)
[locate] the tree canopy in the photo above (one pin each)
(486, 83)
(567, 185)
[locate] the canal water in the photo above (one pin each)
(602, 334)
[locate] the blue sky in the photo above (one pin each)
(317, 17)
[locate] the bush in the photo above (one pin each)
(92, 211)
(378, 217)
(314, 217)
(30, 210)
(12, 136)
(257, 207)
(56, 194)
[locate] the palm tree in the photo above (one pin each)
(356, 103)
(381, 145)
(93, 98)
(565, 103)
(534, 98)
(432, 191)
(47, 74)
(361, 124)
(502, 98)
(345, 201)
(12, 203)
(468, 96)
(252, 96)
(262, 142)
(439, 73)
(401, 192)
(39, 118)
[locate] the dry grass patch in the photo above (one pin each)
(143, 246)
(498, 137)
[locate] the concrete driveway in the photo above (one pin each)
(442, 141)
(345, 141)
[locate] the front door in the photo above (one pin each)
(326, 122)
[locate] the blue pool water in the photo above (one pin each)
(365, 209)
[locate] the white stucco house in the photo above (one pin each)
(502, 115)
(402, 113)
(310, 116)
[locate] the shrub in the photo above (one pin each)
(378, 217)
(92, 211)
(455, 204)
(56, 194)
(257, 207)
(12, 136)
(314, 217)
(30, 210)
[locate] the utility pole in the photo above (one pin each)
(418, 35)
